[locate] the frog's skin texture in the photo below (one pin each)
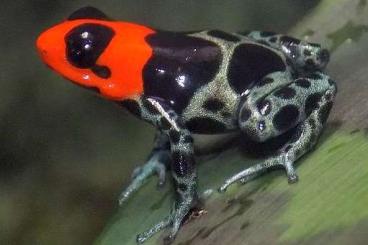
(259, 83)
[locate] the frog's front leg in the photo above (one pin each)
(182, 164)
(157, 163)
(304, 104)
(303, 55)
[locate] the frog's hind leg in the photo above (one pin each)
(157, 163)
(303, 55)
(306, 106)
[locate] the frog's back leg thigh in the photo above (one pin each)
(305, 56)
(316, 108)
(266, 115)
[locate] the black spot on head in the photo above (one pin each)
(101, 71)
(266, 33)
(264, 107)
(331, 82)
(213, 105)
(324, 112)
(250, 63)
(285, 93)
(307, 52)
(286, 118)
(245, 114)
(223, 35)
(301, 82)
(181, 64)
(88, 12)
(205, 125)
(85, 43)
(311, 103)
(132, 106)
(174, 136)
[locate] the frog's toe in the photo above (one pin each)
(290, 172)
(244, 175)
(155, 165)
(141, 238)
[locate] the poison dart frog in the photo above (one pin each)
(261, 84)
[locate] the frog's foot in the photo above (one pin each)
(156, 164)
(175, 220)
(258, 169)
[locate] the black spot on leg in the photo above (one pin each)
(132, 106)
(286, 118)
(205, 125)
(301, 82)
(213, 105)
(285, 93)
(182, 163)
(324, 112)
(223, 35)
(311, 103)
(250, 63)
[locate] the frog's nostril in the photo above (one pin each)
(324, 56)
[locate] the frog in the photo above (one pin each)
(260, 84)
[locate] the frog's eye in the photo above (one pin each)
(85, 43)
(88, 12)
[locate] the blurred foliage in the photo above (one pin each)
(65, 153)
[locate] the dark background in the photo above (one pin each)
(65, 153)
